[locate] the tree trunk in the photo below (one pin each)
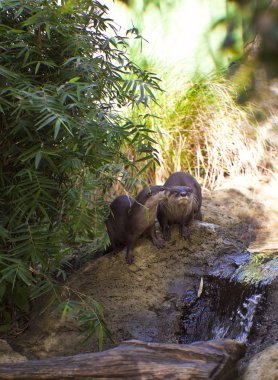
(137, 360)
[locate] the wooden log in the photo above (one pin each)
(214, 360)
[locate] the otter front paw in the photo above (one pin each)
(166, 234)
(158, 243)
(117, 250)
(185, 232)
(129, 257)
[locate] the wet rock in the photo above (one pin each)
(225, 266)
(8, 355)
(263, 366)
(264, 332)
(224, 309)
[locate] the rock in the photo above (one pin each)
(263, 366)
(264, 332)
(8, 355)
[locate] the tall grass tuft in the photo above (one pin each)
(204, 131)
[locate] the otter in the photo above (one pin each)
(130, 218)
(182, 206)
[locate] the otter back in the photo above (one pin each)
(116, 222)
(131, 218)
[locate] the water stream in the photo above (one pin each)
(226, 306)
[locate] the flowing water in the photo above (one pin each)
(226, 306)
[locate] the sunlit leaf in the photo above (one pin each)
(38, 159)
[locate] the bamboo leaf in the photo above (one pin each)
(100, 338)
(37, 67)
(65, 311)
(6, 73)
(38, 159)
(74, 80)
(57, 128)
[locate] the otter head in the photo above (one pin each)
(180, 194)
(155, 195)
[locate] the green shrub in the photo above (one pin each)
(64, 81)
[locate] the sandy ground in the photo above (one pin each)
(249, 208)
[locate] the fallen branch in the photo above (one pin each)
(214, 360)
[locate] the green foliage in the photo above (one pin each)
(239, 25)
(88, 314)
(64, 81)
(142, 5)
(261, 269)
(249, 30)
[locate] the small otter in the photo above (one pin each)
(130, 218)
(180, 207)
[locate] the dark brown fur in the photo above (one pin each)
(130, 218)
(182, 207)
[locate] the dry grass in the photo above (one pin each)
(204, 131)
